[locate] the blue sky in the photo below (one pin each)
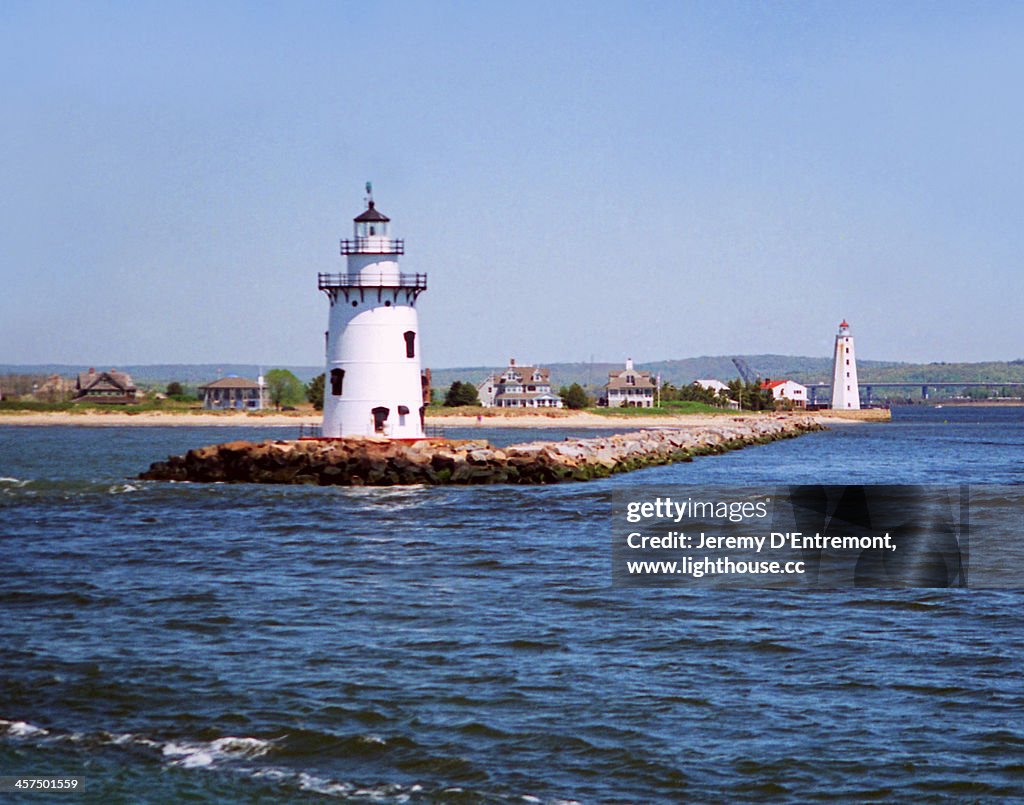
(655, 180)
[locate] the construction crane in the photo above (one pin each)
(744, 370)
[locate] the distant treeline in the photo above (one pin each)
(801, 369)
(988, 372)
(157, 376)
(17, 379)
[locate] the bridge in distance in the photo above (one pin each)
(867, 388)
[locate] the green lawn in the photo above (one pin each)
(171, 406)
(674, 408)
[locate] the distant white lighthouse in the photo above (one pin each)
(845, 392)
(373, 385)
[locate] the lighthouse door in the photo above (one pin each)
(380, 416)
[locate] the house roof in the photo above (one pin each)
(53, 383)
(371, 214)
(526, 373)
(104, 381)
(232, 383)
(617, 380)
(771, 384)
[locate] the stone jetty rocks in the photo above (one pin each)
(371, 461)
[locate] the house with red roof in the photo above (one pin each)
(787, 392)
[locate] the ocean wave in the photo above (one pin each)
(63, 489)
(185, 753)
(340, 788)
(381, 792)
(191, 755)
(120, 739)
(21, 729)
(235, 754)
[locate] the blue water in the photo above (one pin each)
(174, 642)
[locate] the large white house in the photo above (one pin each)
(630, 388)
(784, 391)
(519, 387)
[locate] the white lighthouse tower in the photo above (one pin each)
(845, 392)
(372, 385)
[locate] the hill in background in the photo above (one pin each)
(593, 375)
(677, 372)
(160, 374)
(800, 368)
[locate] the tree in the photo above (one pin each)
(181, 393)
(283, 388)
(668, 392)
(694, 392)
(751, 396)
(315, 391)
(573, 397)
(460, 393)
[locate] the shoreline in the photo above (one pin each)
(376, 461)
(582, 419)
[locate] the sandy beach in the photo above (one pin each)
(123, 419)
(585, 419)
(576, 419)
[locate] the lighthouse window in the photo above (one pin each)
(355, 303)
(380, 416)
(337, 381)
(410, 344)
(373, 231)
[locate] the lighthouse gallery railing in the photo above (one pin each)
(327, 282)
(372, 246)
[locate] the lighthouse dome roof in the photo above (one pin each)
(371, 214)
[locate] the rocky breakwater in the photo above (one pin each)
(380, 462)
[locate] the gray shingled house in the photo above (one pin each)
(239, 393)
(111, 388)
